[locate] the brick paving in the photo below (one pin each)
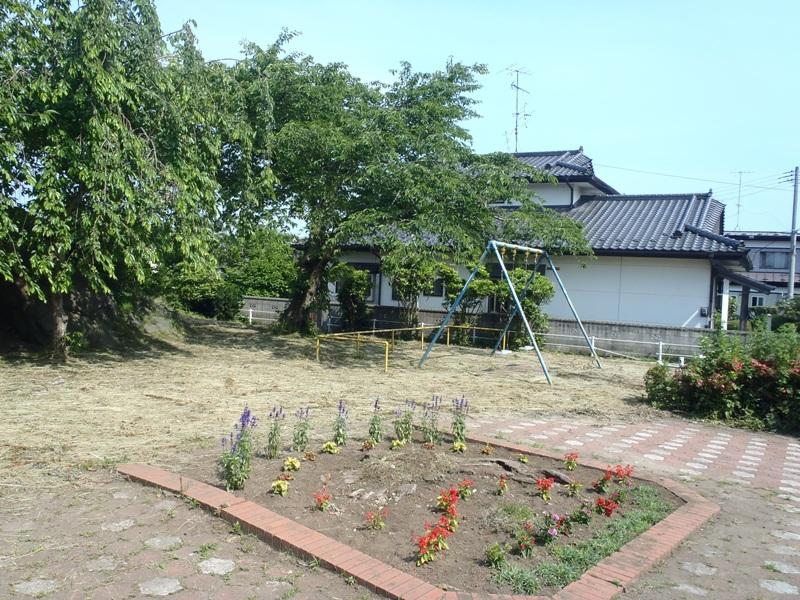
(682, 448)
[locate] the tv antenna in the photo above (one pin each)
(517, 113)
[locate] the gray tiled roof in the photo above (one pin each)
(654, 223)
(566, 165)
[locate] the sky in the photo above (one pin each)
(665, 97)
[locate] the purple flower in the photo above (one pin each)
(342, 410)
(461, 405)
(377, 404)
(552, 532)
(302, 413)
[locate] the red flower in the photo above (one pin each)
(606, 506)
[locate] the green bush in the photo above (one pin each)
(756, 384)
(352, 288)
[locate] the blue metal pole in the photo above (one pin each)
(514, 312)
(453, 307)
(574, 312)
(521, 312)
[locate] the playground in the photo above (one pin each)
(169, 403)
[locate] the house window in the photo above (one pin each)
(437, 289)
(774, 260)
(756, 301)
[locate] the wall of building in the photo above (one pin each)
(656, 291)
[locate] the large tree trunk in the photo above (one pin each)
(297, 316)
(59, 323)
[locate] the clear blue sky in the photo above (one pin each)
(697, 89)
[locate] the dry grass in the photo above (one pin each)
(186, 389)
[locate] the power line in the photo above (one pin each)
(731, 183)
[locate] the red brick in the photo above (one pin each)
(433, 593)
(405, 590)
(425, 592)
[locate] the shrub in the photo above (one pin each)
(755, 384)
(352, 288)
(376, 428)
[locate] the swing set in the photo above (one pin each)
(499, 251)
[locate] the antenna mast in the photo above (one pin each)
(517, 113)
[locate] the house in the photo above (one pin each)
(769, 252)
(659, 259)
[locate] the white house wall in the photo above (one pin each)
(658, 291)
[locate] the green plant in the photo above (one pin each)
(569, 561)
(330, 447)
(353, 286)
(459, 419)
(205, 550)
(236, 528)
(302, 428)
(276, 416)
(574, 488)
(523, 458)
(322, 499)
(376, 519)
(237, 451)
(397, 444)
(753, 383)
(291, 464)
(280, 487)
(458, 447)
(430, 422)
(404, 422)
(376, 429)
(495, 555)
(340, 425)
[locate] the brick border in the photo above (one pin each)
(603, 581)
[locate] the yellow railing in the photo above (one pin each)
(368, 337)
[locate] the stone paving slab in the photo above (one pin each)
(677, 446)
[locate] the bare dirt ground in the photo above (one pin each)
(71, 528)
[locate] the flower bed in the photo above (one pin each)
(477, 519)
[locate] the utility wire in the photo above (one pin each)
(731, 183)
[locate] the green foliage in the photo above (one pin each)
(376, 429)
(480, 288)
(260, 263)
(495, 555)
(352, 288)
(787, 311)
(570, 561)
(236, 461)
(754, 384)
(302, 428)
(372, 163)
(404, 424)
(411, 268)
(539, 292)
(122, 151)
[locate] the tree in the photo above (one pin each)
(260, 263)
(121, 150)
(352, 287)
(481, 287)
(373, 163)
(411, 269)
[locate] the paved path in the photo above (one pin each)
(751, 550)
(683, 448)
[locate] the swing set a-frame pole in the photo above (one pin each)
(574, 312)
(521, 312)
(454, 306)
(510, 319)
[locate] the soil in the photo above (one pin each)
(407, 481)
